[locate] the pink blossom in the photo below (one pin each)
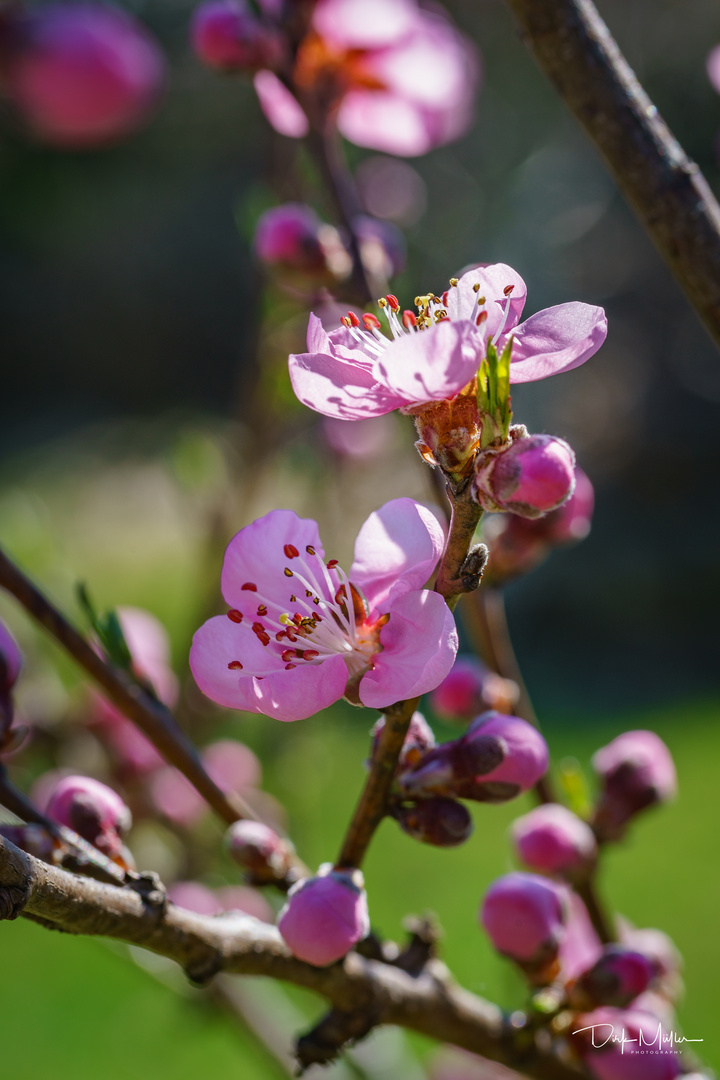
(357, 371)
(82, 74)
(713, 67)
(228, 36)
(637, 771)
(325, 916)
(642, 1056)
(551, 839)
(288, 236)
(362, 441)
(11, 659)
(300, 633)
(232, 765)
(524, 916)
(403, 79)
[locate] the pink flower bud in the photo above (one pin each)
(288, 236)
(524, 915)
(553, 840)
(34, 839)
(256, 847)
(418, 741)
(82, 74)
(624, 1044)
(637, 771)
(11, 660)
(228, 36)
(526, 755)
(325, 916)
(438, 821)
(470, 688)
(572, 521)
(92, 810)
(529, 477)
(661, 951)
(617, 978)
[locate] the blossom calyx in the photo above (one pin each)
(636, 771)
(325, 916)
(528, 477)
(553, 840)
(438, 821)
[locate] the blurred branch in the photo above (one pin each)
(665, 188)
(152, 717)
(205, 946)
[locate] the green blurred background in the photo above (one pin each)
(130, 308)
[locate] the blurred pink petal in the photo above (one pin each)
(279, 106)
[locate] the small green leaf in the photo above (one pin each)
(574, 783)
(107, 629)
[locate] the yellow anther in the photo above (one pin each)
(481, 300)
(382, 302)
(476, 287)
(453, 281)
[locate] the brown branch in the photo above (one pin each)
(150, 715)
(462, 565)
(372, 804)
(667, 191)
(239, 944)
(587, 891)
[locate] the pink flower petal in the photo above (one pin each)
(713, 68)
(383, 120)
(279, 106)
(492, 281)
(302, 692)
(256, 556)
(557, 339)
(396, 550)
(364, 24)
(338, 388)
(218, 643)
(419, 646)
(430, 365)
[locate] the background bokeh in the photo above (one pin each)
(130, 314)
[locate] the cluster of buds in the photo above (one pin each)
(305, 252)
(472, 688)
(519, 544)
(636, 771)
(79, 73)
(325, 916)
(496, 759)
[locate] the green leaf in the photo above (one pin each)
(107, 629)
(574, 784)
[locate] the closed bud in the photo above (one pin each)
(288, 237)
(418, 741)
(617, 978)
(470, 688)
(325, 916)
(81, 74)
(636, 771)
(529, 477)
(553, 840)
(258, 848)
(228, 36)
(623, 1044)
(524, 916)
(92, 810)
(439, 821)
(662, 953)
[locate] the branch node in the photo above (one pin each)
(425, 933)
(336, 1031)
(13, 899)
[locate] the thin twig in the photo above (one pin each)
(372, 804)
(587, 891)
(667, 191)
(150, 715)
(240, 944)
(462, 565)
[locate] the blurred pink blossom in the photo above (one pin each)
(300, 635)
(81, 74)
(233, 767)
